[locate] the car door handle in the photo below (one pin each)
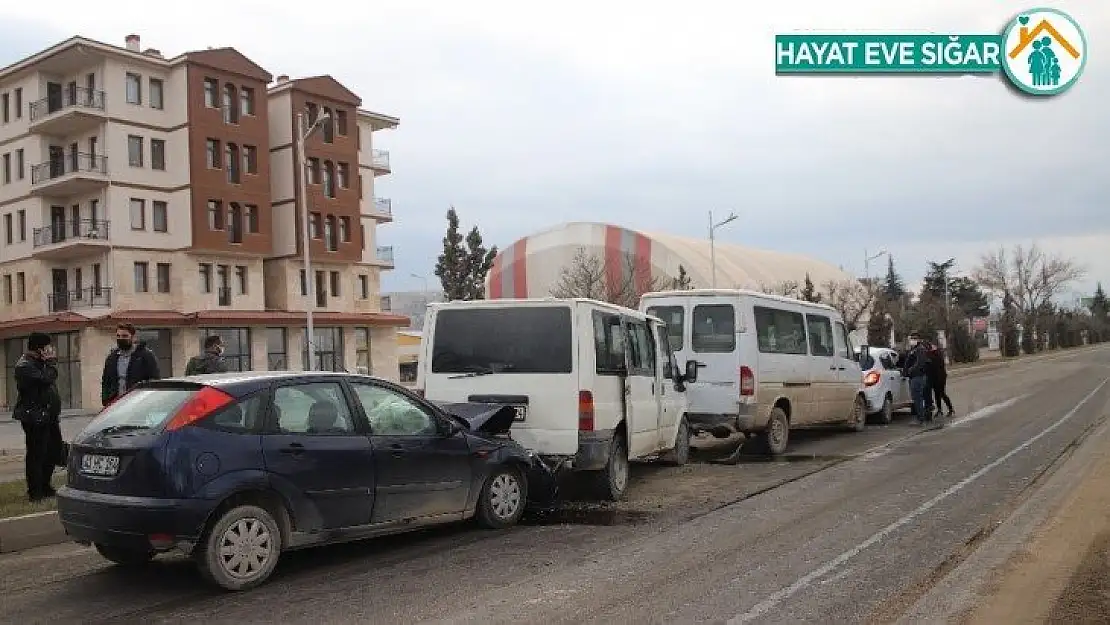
(293, 449)
(397, 450)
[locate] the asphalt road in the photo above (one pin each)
(850, 528)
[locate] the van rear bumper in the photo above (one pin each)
(723, 425)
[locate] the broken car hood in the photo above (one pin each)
(486, 418)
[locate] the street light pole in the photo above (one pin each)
(302, 201)
(713, 247)
(867, 263)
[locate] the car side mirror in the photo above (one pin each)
(691, 374)
(449, 428)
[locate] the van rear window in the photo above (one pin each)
(518, 339)
(714, 329)
(674, 317)
(780, 331)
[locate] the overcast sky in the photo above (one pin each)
(647, 114)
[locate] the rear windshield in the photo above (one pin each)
(673, 316)
(535, 339)
(714, 330)
(140, 410)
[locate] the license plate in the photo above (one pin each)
(100, 465)
(520, 413)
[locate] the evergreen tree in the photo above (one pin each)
(893, 288)
(809, 292)
(462, 269)
(479, 261)
(683, 281)
(1007, 327)
(878, 324)
(1100, 316)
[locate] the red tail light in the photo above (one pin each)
(205, 402)
(747, 382)
(871, 379)
(585, 411)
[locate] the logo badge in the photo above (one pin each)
(1044, 51)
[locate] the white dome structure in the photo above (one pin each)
(533, 265)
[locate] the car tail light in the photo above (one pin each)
(585, 411)
(747, 381)
(871, 379)
(205, 402)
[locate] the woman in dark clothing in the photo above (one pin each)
(937, 373)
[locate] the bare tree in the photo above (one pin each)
(587, 276)
(786, 288)
(1029, 276)
(851, 298)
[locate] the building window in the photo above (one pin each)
(304, 283)
(231, 105)
(211, 87)
(67, 348)
(8, 288)
(20, 165)
(237, 346)
(135, 150)
(362, 350)
(21, 286)
(141, 285)
(327, 347)
(276, 347)
(329, 234)
(215, 215)
(213, 147)
(134, 88)
(250, 159)
(334, 280)
(234, 223)
(329, 126)
(138, 214)
(364, 286)
(205, 278)
(18, 103)
(159, 216)
(8, 168)
(8, 230)
(158, 154)
(163, 276)
(246, 97)
(343, 172)
(313, 170)
(345, 229)
(159, 341)
(329, 179)
(241, 278)
(252, 219)
(315, 225)
(233, 163)
(156, 93)
(5, 103)
(313, 112)
(321, 287)
(223, 285)
(341, 122)
(21, 222)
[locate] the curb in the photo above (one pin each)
(31, 530)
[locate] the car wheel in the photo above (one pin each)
(680, 454)
(886, 415)
(503, 499)
(242, 548)
(858, 421)
(123, 556)
(612, 481)
(776, 437)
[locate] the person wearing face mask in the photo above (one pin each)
(37, 408)
(915, 369)
(211, 361)
(130, 363)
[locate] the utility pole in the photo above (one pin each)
(306, 255)
(712, 245)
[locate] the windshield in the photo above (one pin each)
(140, 410)
(517, 339)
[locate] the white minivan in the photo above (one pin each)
(767, 363)
(593, 384)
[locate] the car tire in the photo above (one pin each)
(241, 549)
(858, 422)
(680, 454)
(503, 499)
(611, 482)
(123, 556)
(776, 437)
(886, 415)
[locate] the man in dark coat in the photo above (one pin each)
(915, 368)
(211, 361)
(937, 374)
(128, 364)
(37, 408)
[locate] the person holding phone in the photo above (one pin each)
(38, 407)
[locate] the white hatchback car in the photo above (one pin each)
(883, 385)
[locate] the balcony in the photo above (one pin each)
(379, 161)
(384, 256)
(223, 296)
(69, 174)
(383, 209)
(92, 297)
(70, 239)
(68, 112)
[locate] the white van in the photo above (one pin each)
(593, 384)
(768, 363)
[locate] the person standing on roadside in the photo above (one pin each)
(128, 364)
(37, 408)
(937, 375)
(211, 361)
(914, 370)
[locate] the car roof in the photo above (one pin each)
(241, 382)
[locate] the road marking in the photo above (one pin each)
(985, 412)
(779, 596)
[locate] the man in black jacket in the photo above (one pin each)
(127, 365)
(915, 369)
(37, 408)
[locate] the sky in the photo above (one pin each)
(648, 114)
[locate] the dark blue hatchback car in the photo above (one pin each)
(234, 469)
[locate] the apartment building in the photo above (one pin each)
(158, 191)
